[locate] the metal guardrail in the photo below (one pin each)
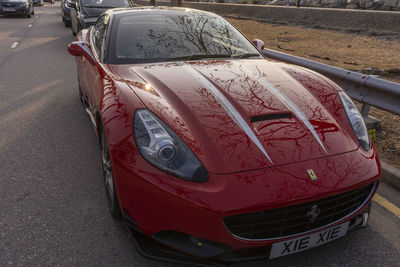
(365, 88)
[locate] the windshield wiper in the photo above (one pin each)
(247, 55)
(201, 56)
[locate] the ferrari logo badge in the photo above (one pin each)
(313, 213)
(312, 175)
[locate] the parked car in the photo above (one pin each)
(212, 152)
(38, 2)
(50, 1)
(17, 7)
(86, 12)
(66, 6)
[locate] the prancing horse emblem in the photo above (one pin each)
(313, 213)
(312, 175)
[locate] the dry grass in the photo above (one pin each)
(374, 55)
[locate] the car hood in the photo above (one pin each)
(240, 115)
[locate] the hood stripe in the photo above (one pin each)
(288, 102)
(232, 112)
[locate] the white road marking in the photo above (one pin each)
(14, 45)
(30, 25)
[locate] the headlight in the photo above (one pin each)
(160, 146)
(356, 121)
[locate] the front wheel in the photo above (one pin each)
(111, 194)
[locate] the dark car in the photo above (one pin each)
(38, 2)
(17, 7)
(86, 12)
(50, 1)
(66, 6)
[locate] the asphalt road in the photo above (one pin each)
(53, 208)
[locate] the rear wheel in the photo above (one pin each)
(111, 194)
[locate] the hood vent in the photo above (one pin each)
(271, 117)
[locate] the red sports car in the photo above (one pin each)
(212, 152)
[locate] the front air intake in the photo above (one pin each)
(293, 220)
(271, 117)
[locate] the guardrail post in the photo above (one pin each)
(371, 122)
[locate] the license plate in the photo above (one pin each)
(9, 9)
(313, 240)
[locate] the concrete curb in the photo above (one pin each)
(390, 175)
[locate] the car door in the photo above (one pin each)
(95, 72)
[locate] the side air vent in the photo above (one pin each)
(271, 117)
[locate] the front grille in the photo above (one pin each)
(10, 4)
(293, 220)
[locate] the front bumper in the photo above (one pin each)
(13, 10)
(152, 249)
(159, 203)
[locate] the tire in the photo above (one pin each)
(28, 15)
(33, 12)
(108, 177)
(67, 24)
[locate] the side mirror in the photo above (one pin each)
(71, 4)
(81, 49)
(259, 44)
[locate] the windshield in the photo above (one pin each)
(176, 35)
(105, 3)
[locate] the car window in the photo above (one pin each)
(155, 37)
(98, 33)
